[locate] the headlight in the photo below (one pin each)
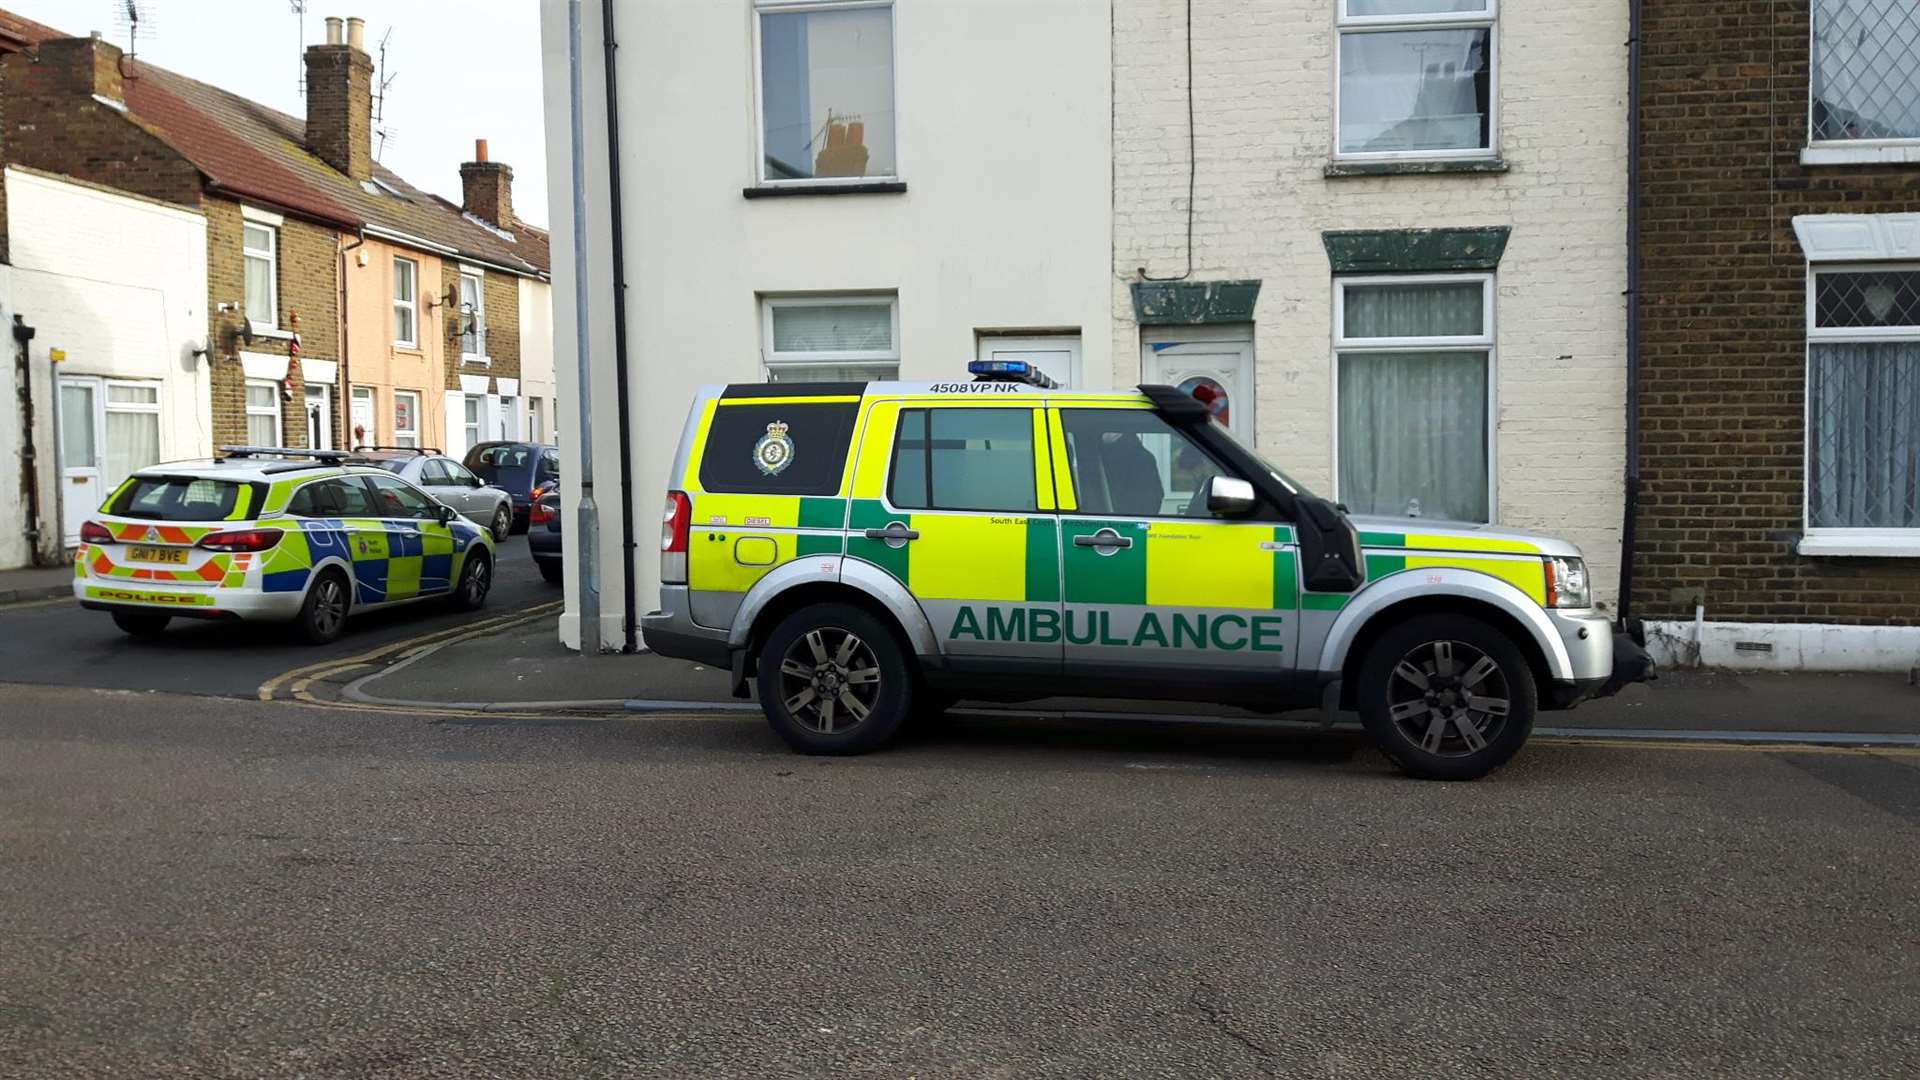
(1567, 583)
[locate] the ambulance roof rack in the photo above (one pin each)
(1014, 371)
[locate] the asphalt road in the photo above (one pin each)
(58, 642)
(216, 888)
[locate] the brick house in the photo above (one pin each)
(1779, 340)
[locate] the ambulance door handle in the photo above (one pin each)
(1105, 538)
(895, 531)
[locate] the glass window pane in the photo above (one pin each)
(1412, 7)
(833, 328)
(352, 499)
(133, 442)
(964, 459)
(125, 394)
(263, 430)
(1436, 309)
(403, 324)
(262, 396)
(1133, 463)
(1863, 453)
(1411, 90)
(1413, 434)
(397, 499)
(258, 238)
(76, 427)
(176, 500)
(260, 292)
(789, 373)
(1866, 298)
(826, 86)
(403, 280)
(1866, 69)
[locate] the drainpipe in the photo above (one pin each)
(346, 367)
(29, 456)
(620, 327)
(1629, 527)
(586, 525)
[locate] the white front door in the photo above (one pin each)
(1058, 355)
(1217, 362)
(80, 487)
(319, 416)
(364, 432)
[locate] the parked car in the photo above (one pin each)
(519, 467)
(543, 530)
(448, 481)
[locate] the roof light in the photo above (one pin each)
(1014, 371)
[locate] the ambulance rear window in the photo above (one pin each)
(179, 498)
(777, 449)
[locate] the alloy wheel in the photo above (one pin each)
(477, 582)
(329, 605)
(1448, 698)
(829, 680)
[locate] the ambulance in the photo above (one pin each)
(870, 552)
(306, 537)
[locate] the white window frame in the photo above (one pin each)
(1845, 151)
(877, 359)
(279, 418)
(479, 315)
(271, 255)
(411, 307)
(776, 7)
(401, 435)
(1482, 342)
(536, 418)
(1345, 24)
(473, 431)
(1845, 540)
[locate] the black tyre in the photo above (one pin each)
(552, 571)
(141, 623)
(1447, 697)
(476, 580)
(834, 680)
(323, 616)
(502, 522)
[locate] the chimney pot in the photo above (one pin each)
(357, 32)
(333, 30)
(479, 149)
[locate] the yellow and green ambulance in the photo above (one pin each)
(279, 535)
(868, 551)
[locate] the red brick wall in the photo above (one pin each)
(1723, 322)
(503, 325)
(308, 285)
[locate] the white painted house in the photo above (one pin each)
(822, 190)
(115, 289)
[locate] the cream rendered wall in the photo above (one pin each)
(1003, 142)
(1263, 84)
(536, 353)
(120, 284)
(375, 360)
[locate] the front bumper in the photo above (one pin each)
(1603, 660)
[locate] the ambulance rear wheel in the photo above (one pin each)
(323, 616)
(141, 623)
(1447, 697)
(834, 680)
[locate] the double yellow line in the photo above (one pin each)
(297, 682)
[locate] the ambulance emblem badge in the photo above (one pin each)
(774, 452)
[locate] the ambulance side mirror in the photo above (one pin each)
(1229, 496)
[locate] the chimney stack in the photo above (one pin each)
(87, 67)
(487, 188)
(340, 100)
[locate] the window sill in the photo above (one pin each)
(1342, 169)
(271, 332)
(862, 187)
(401, 346)
(1907, 153)
(469, 359)
(1870, 546)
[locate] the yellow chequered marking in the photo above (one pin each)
(711, 564)
(1042, 461)
(875, 450)
(968, 557)
(1062, 470)
(1528, 575)
(1448, 542)
(829, 399)
(752, 511)
(368, 541)
(1196, 564)
(403, 576)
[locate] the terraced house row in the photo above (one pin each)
(185, 269)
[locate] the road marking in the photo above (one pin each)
(1728, 747)
(300, 688)
(24, 604)
(310, 672)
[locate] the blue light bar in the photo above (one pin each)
(1018, 371)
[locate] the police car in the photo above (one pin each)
(866, 551)
(277, 535)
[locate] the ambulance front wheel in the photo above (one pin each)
(141, 623)
(1447, 697)
(834, 680)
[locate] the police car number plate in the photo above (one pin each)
(158, 554)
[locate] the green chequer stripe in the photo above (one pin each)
(1093, 578)
(1383, 539)
(1379, 566)
(817, 544)
(1286, 583)
(872, 514)
(818, 513)
(1043, 559)
(1323, 601)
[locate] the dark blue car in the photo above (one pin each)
(518, 467)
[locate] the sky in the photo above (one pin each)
(459, 70)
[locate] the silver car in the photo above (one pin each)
(448, 481)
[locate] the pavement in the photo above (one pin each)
(35, 583)
(207, 887)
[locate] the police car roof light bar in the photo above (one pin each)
(281, 451)
(1017, 371)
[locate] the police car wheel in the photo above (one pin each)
(834, 680)
(1447, 697)
(502, 523)
(323, 615)
(476, 579)
(141, 623)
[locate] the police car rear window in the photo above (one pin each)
(178, 498)
(777, 449)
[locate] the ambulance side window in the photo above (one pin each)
(1131, 463)
(964, 459)
(792, 448)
